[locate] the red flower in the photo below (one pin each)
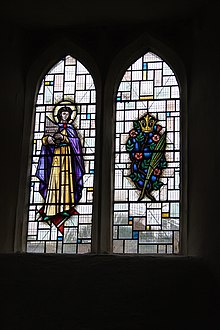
(133, 133)
(157, 171)
(156, 137)
(138, 155)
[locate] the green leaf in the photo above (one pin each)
(140, 137)
(136, 124)
(157, 185)
(145, 163)
(152, 146)
(163, 165)
(129, 145)
(130, 148)
(135, 176)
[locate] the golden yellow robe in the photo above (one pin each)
(60, 193)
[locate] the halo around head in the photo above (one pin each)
(64, 103)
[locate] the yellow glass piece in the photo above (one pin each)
(47, 83)
(147, 227)
(60, 195)
(165, 215)
(130, 222)
(90, 189)
(35, 141)
(147, 97)
(147, 123)
(144, 75)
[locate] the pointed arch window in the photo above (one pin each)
(146, 214)
(63, 155)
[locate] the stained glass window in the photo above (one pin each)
(63, 154)
(146, 215)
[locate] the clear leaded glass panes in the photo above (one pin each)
(147, 159)
(62, 170)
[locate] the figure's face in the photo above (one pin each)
(64, 116)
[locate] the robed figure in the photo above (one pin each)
(60, 169)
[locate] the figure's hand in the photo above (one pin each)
(50, 140)
(58, 136)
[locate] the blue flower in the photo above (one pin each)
(153, 178)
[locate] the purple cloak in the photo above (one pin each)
(46, 159)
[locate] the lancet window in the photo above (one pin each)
(63, 154)
(147, 178)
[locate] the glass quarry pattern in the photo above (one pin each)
(68, 83)
(149, 224)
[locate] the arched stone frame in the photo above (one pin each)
(126, 57)
(39, 69)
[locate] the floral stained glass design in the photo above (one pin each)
(146, 217)
(62, 172)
